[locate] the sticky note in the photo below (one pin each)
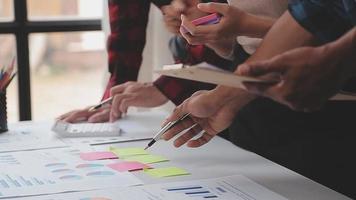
(98, 155)
(166, 172)
(147, 159)
(128, 166)
(125, 152)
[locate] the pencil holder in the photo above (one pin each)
(3, 112)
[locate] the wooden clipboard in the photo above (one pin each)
(209, 74)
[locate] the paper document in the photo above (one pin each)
(55, 171)
(132, 193)
(226, 188)
(207, 73)
(28, 137)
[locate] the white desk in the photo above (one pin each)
(221, 158)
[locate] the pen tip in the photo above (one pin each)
(146, 147)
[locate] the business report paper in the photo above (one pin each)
(54, 171)
(226, 188)
(25, 137)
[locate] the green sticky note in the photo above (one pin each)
(126, 152)
(166, 172)
(147, 159)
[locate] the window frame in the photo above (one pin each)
(21, 27)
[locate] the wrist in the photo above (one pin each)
(344, 49)
(224, 94)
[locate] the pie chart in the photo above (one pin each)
(101, 173)
(70, 177)
(83, 166)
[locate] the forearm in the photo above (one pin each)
(343, 51)
(256, 26)
(345, 48)
(286, 34)
(224, 48)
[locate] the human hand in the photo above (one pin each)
(208, 115)
(172, 12)
(308, 77)
(134, 94)
(232, 24)
(100, 115)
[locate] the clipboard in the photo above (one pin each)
(210, 74)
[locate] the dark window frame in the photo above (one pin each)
(21, 27)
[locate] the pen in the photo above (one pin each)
(165, 129)
(8, 82)
(108, 100)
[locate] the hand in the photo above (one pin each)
(172, 12)
(75, 116)
(308, 77)
(210, 115)
(171, 18)
(232, 23)
(134, 94)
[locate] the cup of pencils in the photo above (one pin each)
(7, 74)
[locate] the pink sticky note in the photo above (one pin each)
(98, 156)
(128, 166)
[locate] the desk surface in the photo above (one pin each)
(221, 158)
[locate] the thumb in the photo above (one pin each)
(220, 8)
(260, 68)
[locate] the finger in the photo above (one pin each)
(119, 88)
(181, 126)
(78, 116)
(221, 8)
(103, 116)
(177, 112)
(116, 117)
(171, 12)
(65, 115)
(187, 25)
(185, 137)
(127, 102)
(199, 30)
(275, 65)
(205, 138)
(115, 106)
(257, 88)
(179, 5)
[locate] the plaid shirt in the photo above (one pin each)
(128, 21)
(328, 20)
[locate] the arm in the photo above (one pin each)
(285, 34)
(329, 67)
(214, 110)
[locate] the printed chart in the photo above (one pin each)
(54, 171)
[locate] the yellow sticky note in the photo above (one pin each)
(125, 152)
(147, 159)
(166, 172)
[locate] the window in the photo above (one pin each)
(60, 51)
(6, 11)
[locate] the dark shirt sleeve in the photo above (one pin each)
(177, 90)
(326, 19)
